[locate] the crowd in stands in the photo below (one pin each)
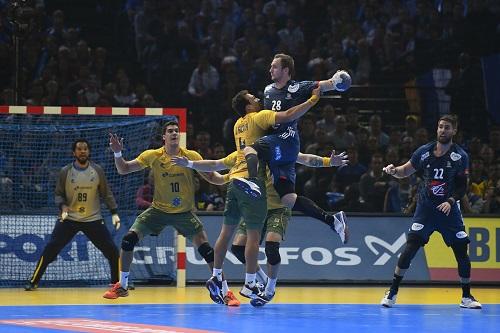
(199, 53)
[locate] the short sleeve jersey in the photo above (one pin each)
(246, 131)
(439, 173)
(174, 185)
(292, 94)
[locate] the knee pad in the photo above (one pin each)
(413, 244)
(463, 260)
(207, 252)
(239, 252)
(273, 253)
(129, 241)
(283, 187)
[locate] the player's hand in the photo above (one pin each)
(338, 160)
(116, 221)
(115, 143)
(180, 161)
(64, 212)
(390, 169)
(445, 208)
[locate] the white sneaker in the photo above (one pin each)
(388, 302)
(470, 303)
(340, 226)
(247, 186)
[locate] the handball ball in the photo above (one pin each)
(342, 80)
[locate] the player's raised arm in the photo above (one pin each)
(123, 167)
(297, 111)
(340, 81)
(201, 165)
(315, 161)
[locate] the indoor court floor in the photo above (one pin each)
(294, 309)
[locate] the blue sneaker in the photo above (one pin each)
(214, 287)
(247, 186)
(261, 299)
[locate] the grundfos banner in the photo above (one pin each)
(311, 252)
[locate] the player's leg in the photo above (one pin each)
(284, 183)
(453, 231)
(100, 236)
(62, 234)
(420, 231)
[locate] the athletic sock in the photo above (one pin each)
(250, 279)
(466, 290)
(308, 207)
(124, 279)
(261, 276)
(271, 286)
(225, 287)
(217, 272)
(395, 284)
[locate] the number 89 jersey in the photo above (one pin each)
(438, 173)
(292, 94)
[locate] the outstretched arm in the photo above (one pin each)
(213, 177)
(123, 167)
(315, 161)
(401, 171)
(340, 81)
(297, 111)
(201, 165)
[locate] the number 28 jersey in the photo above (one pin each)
(439, 173)
(292, 94)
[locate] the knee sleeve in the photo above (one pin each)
(273, 253)
(463, 260)
(129, 241)
(239, 252)
(283, 187)
(413, 244)
(207, 252)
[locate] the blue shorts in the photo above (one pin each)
(428, 218)
(280, 155)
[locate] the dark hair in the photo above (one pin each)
(452, 119)
(73, 146)
(170, 123)
(239, 102)
(286, 62)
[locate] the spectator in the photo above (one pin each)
(374, 184)
(144, 195)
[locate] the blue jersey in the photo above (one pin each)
(292, 94)
(438, 173)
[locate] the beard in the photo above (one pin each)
(82, 159)
(444, 140)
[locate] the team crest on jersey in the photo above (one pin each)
(176, 202)
(424, 156)
(437, 188)
(293, 88)
(455, 157)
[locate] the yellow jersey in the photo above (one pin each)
(247, 130)
(273, 199)
(173, 185)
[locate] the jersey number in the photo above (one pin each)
(82, 197)
(438, 173)
(276, 105)
(175, 187)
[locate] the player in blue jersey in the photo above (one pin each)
(281, 148)
(443, 166)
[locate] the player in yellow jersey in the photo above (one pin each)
(277, 217)
(173, 203)
(252, 125)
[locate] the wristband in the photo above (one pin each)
(451, 201)
(190, 164)
(326, 161)
(313, 99)
(118, 154)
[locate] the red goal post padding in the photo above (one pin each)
(180, 113)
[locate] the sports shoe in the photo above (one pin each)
(389, 299)
(340, 226)
(470, 303)
(247, 186)
(115, 291)
(248, 292)
(261, 299)
(230, 299)
(30, 286)
(214, 287)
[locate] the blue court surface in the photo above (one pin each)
(158, 318)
